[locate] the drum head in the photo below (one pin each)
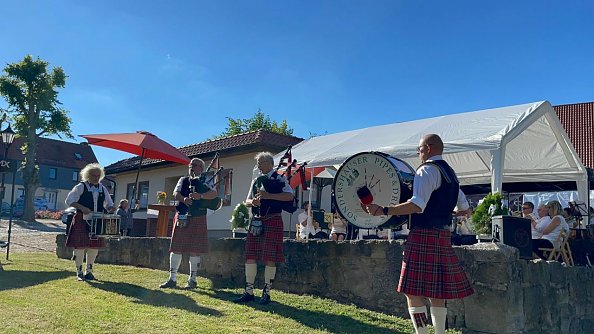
(388, 179)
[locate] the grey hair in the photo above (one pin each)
(198, 160)
(85, 173)
(265, 156)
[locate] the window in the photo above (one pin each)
(77, 156)
(142, 194)
(53, 173)
(75, 176)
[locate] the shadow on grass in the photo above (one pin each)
(332, 323)
(16, 279)
(154, 297)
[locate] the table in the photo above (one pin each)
(162, 218)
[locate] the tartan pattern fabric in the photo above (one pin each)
(267, 247)
(430, 268)
(78, 236)
(420, 319)
(193, 238)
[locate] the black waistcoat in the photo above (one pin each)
(86, 198)
(438, 212)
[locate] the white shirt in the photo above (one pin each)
(74, 194)
(304, 231)
(552, 237)
(541, 224)
(427, 180)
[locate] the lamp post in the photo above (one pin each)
(7, 138)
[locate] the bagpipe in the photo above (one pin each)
(199, 184)
(276, 182)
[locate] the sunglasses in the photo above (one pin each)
(421, 146)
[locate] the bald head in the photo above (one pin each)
(434, 141)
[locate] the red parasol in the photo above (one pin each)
(141, 143)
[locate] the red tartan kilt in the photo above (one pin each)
(78, 237)
(430, 268)
(267, 247)
(190, 239)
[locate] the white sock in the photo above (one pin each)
(418, 315)
(269, 274)
(91, 256)
(251, 269)
(174, 262)
(438, 318)
(194, 265)
(78, 255)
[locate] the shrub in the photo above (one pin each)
(48, 214)
(481, 218)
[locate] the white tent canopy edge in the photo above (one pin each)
(521, 143)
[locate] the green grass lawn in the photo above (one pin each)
(39, 294)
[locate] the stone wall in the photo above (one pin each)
(512, 295)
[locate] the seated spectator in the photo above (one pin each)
(551, 230)
(570, 218)
(308, 227)
(339, 228)
(537, 222)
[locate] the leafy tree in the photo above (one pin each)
(32, 96)
(256, 122)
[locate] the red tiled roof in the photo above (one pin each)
(259, 140)
(56, 153)
(578, 121)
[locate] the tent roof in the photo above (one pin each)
(530, 138)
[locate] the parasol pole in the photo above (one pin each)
(135, 192)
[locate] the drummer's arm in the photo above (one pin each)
(80, 207)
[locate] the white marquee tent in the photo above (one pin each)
(522, 143)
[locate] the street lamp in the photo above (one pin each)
(7, 139)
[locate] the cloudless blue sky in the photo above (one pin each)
(178, 68)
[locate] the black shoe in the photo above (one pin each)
(89, 277)
(265, 300)
(80, 277)
(245, 297)
(169, 284)
(192, 284)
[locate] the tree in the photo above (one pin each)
(257, 122)
(31, 93)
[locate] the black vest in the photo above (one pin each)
(86, 198)
(200, 187)
(438, 212)
(274, 185)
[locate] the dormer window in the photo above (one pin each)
(78, 156)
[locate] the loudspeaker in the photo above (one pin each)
(515, 232)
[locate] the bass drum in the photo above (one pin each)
(388, 179)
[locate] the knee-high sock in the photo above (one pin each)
(418, 315)
(438, 318)
(78, 255)
(194, 265)
(269, 274)
(251, 269)
(91, 256)
(174, 262)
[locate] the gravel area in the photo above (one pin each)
(37, 236)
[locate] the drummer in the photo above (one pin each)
(430, 268)
(87, 197)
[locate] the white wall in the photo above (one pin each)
(164, 179)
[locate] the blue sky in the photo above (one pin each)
(178, 68)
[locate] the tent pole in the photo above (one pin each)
(135, 191)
